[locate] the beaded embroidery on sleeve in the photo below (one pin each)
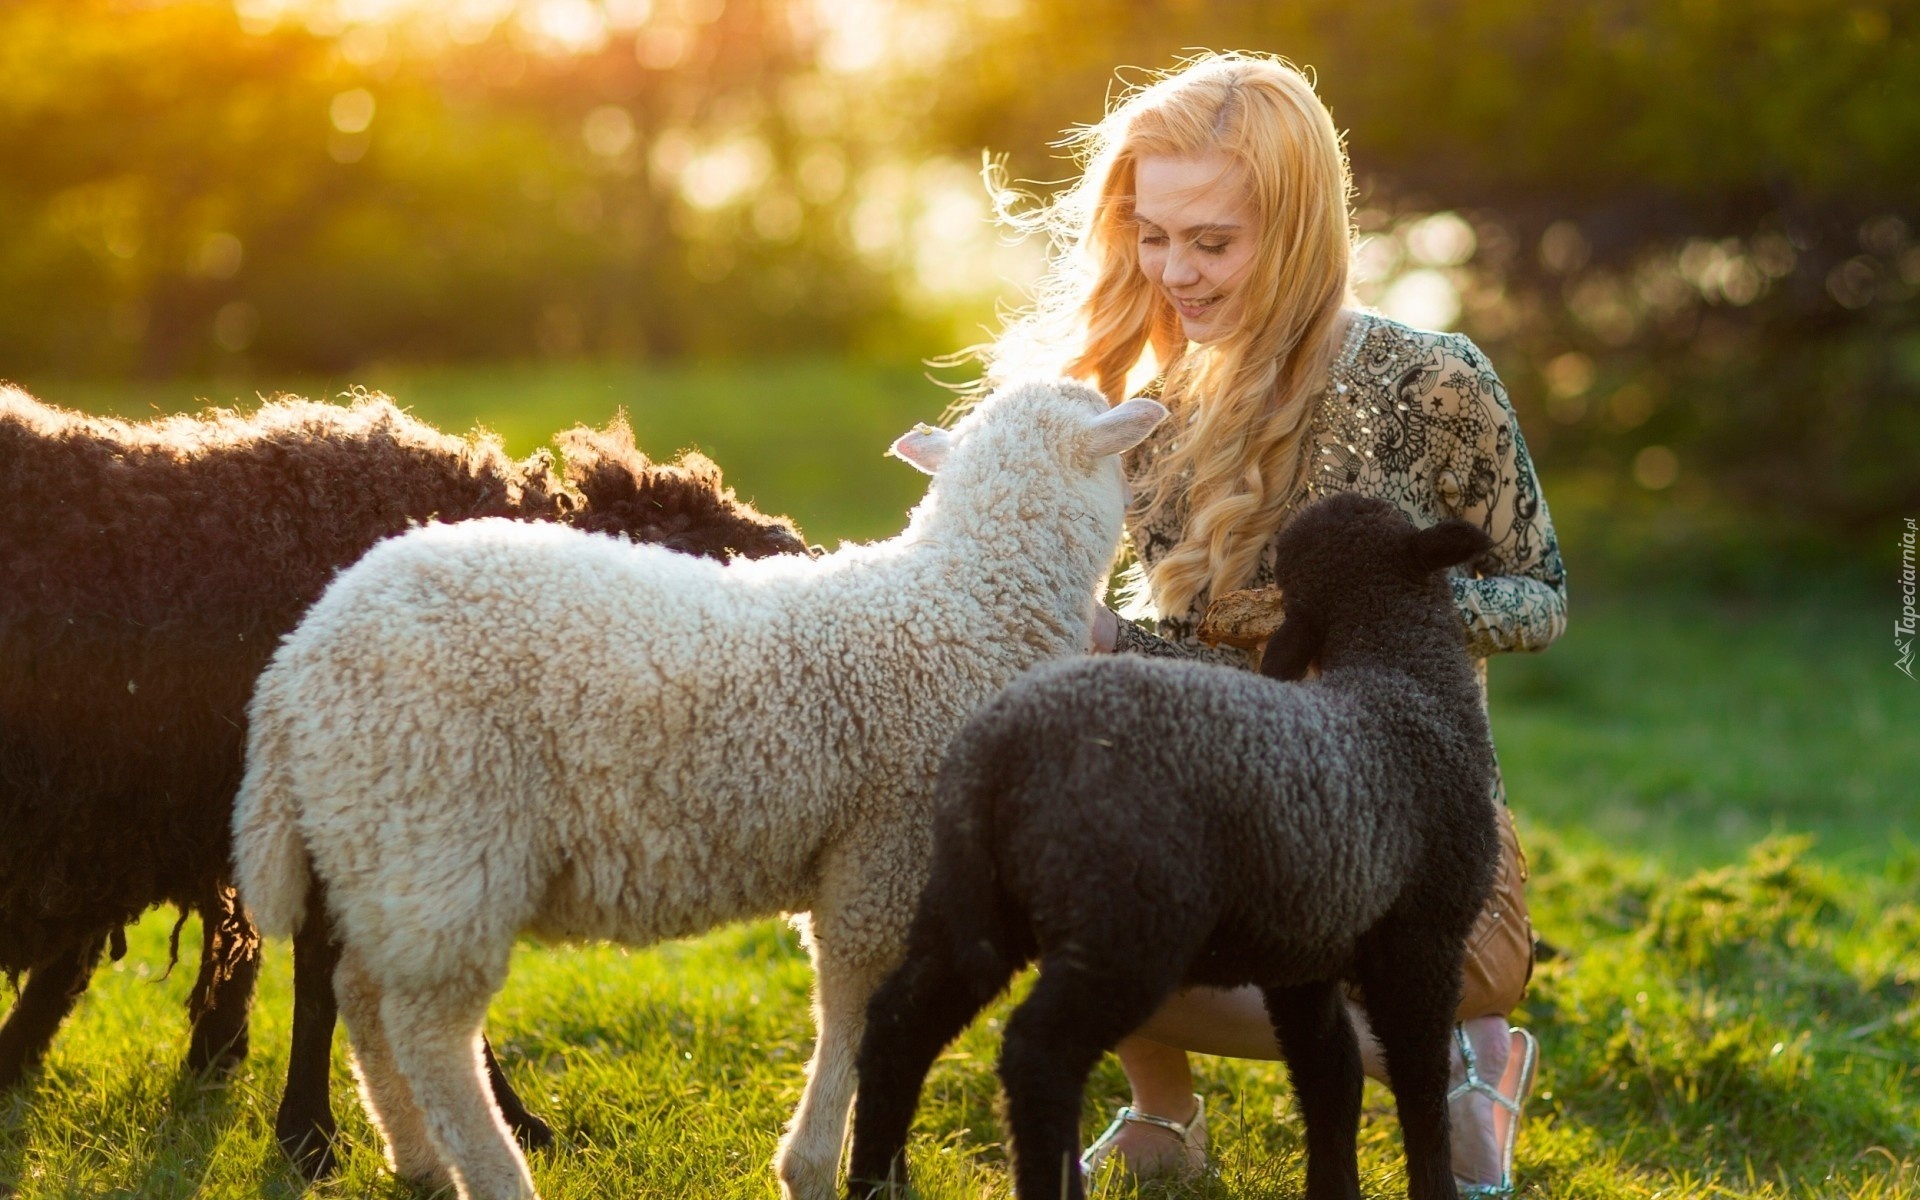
(1420, 420)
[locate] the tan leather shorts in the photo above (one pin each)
(1499, 958)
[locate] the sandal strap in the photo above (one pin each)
(1129, 1115)
(1473, 1082)
(1529, 1059)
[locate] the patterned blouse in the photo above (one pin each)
(1419, 419)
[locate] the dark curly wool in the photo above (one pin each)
(149, 571)
(622, 494)
(1140, 825)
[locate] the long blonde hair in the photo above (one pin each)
(1241, 404)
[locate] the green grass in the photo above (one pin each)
(1688, 727)
(1716, 796)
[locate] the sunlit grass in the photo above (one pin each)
(1729, 1017)
(1651, 755)
(1742, 1032)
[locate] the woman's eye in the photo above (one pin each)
(1212, 247)
(1153, 239)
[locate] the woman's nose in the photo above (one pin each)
(1179, 270)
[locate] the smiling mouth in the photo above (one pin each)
(1194, 308)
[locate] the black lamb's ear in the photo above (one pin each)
(1294, 646)
(1447, 544)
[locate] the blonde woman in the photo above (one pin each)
(1206, 249)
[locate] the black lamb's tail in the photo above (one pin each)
(989, 934)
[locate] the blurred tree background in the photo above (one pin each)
(1684, 229)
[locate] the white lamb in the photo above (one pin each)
(493, 728)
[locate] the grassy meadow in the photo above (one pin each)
(1715, 794)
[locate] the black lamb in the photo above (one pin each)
(149, 571)
(1140, 825)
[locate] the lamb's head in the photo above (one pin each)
(1350, 561)
(1038, 458)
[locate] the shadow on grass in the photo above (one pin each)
(159, 1137)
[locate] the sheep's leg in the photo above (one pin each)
(1072, 1016)
(52, 989)
(1411, 978)
(304, 1125)
(920, 1008)
(1323, 1060)
(855, 933)
(383, 1089)
(436, 1043)
(809, 1154)
(217, 1007)
(530, 1131)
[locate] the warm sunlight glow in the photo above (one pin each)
(548, 26)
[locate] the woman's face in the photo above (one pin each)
(1197, 235)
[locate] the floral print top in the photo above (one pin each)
(1418, 419)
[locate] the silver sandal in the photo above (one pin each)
(1192, 1134)
(1529, 1058)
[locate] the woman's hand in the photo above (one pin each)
(1106, 628)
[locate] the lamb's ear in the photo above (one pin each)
(1447, 544)
(1294, 646)
(1122, 427)
(923, 446)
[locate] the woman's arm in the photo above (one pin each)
(1130, 638)
(1518, 599)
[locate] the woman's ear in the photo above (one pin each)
(1122, 427)
(923, 446)
(1294, 646)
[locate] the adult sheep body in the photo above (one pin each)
(488, 729)
(1141, 825)
(150, 570)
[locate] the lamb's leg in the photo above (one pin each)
(436, 1043)
(1411, 979)
(1323, 1060)
(383, 1089)
(1074, 1014)
(304, 1125)
(855, 933)
(809, 1154)
(920, 1008)
(530, 1131)
(217, 1007)
(52, 989)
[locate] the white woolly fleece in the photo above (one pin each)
(494, 727)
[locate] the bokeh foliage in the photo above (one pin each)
(180, 191)
(1685, 229)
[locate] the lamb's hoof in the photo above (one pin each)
(311, 1154)
(12, 1070)
(216, 1066)
(308, 1143)
(874, 1189)
(800, 1180)
(531, 1132)
(217, 1055)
